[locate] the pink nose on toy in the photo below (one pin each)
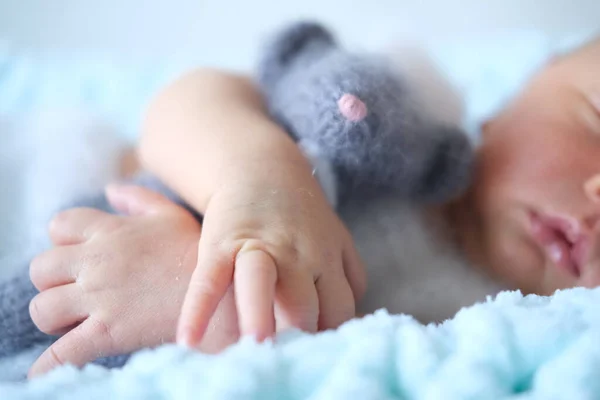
(352, 108)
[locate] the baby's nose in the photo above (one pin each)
(592, 188)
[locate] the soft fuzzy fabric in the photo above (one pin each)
(360, 114)
(510, 348)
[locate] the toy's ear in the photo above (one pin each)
(302, 39)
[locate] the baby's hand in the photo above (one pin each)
(116, 284)
(291, 260)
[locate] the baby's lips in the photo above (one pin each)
(554, 246)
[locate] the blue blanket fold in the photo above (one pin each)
(511, 347)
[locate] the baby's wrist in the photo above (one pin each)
(274, 179)
(277, 172)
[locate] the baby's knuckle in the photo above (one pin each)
(247, 243)
(329, 257)
(292, 252)
(283, 247)
(106, 225)
(86, 284)
(94, 271)
(55, 356)
(287, 247)
(102, 330)
(314, 254)
(59, 219)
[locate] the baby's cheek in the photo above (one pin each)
(523, 162)
(591, 278)
(517, 262)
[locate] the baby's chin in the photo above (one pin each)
(551, 279)
(590, 277)
(513, 259)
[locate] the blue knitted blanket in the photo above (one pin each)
(512, 347)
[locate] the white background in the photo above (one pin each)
(226, 32)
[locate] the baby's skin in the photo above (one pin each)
(113, 284)
(531, 214)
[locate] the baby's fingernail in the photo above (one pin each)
(185, 338)
(259, 337)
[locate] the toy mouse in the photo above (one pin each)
(352, 116)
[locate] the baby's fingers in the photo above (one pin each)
(57, 308)
(137, 200)
(84, 343)
(297, 304)
(354, 270)
(255, 279)
(209, 283)
(336, 300)
(56, 267)
(76, 225)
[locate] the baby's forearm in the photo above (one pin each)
(210, 129)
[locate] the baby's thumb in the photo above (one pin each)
(136, 200)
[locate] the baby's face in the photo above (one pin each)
(536, 194)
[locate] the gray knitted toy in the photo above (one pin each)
(352, 116)
(357, 113)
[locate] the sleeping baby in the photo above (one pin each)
(271, 253)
